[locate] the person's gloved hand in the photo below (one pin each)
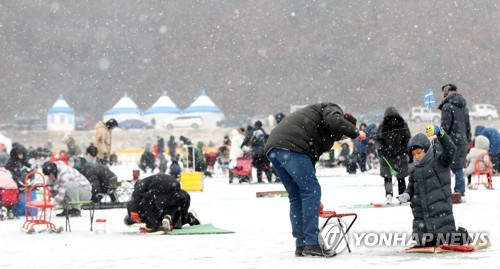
(393, 172)
(432, 129)
(134, 216)
(404, 198)
(362, 135)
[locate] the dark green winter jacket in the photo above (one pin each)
(429, 188)
(311, 130)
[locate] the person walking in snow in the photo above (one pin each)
(455, 122)
(294, 147)
(391, 140)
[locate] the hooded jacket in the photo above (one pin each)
(311, 130)
(493, 136)
(429, 188)
(481, 146)
(391, 140)
(455, 118)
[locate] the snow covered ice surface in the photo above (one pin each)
(262, 237)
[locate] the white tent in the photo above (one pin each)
(6, 142)
(125, 109)
(204, 107)
(163, 111)
(61, 116)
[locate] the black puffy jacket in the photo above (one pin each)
(429, 188)
(158, 190)
(455, 122)
(391, 140)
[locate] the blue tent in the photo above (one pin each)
(203, 104)
(61, 116)
(124, 109)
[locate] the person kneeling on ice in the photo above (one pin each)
(69, 185)
(160, 203)
(294, 147)
(429, 191)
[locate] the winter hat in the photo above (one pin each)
(111, 123)
(279, 117)
(49, 168)
(350, 118)
(420, 140)
(92, 150)
(449, 87)
(482, 142)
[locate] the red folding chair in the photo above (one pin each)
(332, 221)
(43, 206)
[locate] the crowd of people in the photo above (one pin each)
(421, 165)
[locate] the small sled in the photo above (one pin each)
(455, 248)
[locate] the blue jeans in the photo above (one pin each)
(459, 181)
(298, 175)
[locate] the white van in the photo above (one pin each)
(419, 114)
(483, 111)
(194, 122)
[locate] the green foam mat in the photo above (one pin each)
(199, 229)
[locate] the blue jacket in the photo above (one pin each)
(492, 135)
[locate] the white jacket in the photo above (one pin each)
(236, 141)
(481, 145)
(67, 174)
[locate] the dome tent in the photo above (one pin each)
(205, 108)
(60, 116)
(124, 109)
(162, 111)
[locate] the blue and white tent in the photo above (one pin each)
(204, 107)
(61, 116)
(125, 109)
(163, 111)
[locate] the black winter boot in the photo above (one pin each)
(317, 250)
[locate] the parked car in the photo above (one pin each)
(30, 123)
(483, 111)
(186, 121)
(134, 124)
(419, 114)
